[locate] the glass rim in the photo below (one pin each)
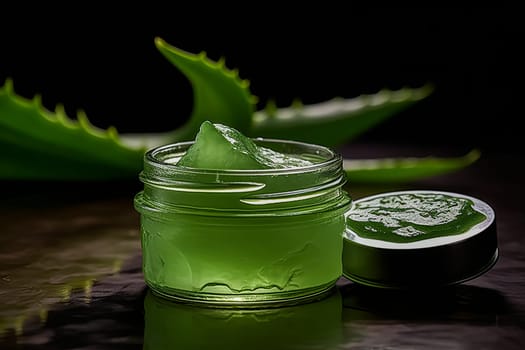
(152, 157)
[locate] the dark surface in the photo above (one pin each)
(70, 278)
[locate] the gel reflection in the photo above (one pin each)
(170, 325)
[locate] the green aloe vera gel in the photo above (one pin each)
(231, 221)
(418, 239)
(413, 216)
(236, 221)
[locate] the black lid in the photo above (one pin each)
(418, 239)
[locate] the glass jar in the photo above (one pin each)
(242, 237)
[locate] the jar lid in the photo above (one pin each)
(418, 239)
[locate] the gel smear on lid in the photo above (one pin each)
(418, 239)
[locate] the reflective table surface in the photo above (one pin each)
(70, 278)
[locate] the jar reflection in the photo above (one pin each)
(170, 325)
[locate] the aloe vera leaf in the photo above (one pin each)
(334, 122)
(399, 170)
(219, 95)
(40, 144)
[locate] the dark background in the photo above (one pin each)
(104, 61)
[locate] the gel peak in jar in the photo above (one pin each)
(239, 222)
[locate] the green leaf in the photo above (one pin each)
(333, 122)
(44, 145)
(219, 95)
(398, 170)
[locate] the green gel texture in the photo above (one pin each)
(405, 218)
(218, 146)
(264, 234)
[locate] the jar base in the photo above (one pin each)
(245, 301)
